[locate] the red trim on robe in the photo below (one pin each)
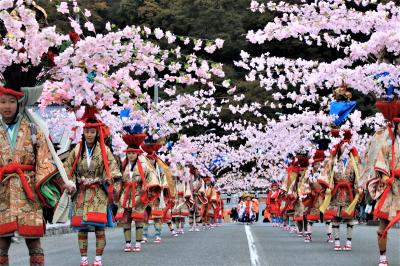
(8, 228)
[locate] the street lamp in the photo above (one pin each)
(156, 94)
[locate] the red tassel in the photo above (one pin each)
(76, 161)
(25, 185)
(104, 152)
(110, 191)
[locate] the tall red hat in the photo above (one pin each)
(319, 156)
(390, 110)
(151, 148)
(134, 141)
(192, 169)
(90, 114)
(300, 161)
(346, 135)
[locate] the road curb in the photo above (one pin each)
(59, 230)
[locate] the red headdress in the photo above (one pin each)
(346, 134)
(192, 170)
(346, 139)
(207, 179)
(319, 156)
(390, 110)
(134, 141)
(7, 91)
(300, 161)
(151, 149)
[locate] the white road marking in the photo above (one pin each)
(252, 247)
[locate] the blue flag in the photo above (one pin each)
(342, 110)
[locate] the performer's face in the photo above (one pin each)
(316, 166)
(90, 134)
(132, 156)
(8, 107)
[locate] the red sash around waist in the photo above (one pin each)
(14, 168)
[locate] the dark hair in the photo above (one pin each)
(92, 120)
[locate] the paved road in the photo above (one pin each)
(226, 245)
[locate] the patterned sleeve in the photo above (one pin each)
(325, 176)
(284, 187)
(381, 164)
(69, 162)
(112, 166)
(44, 161)
(118, 182)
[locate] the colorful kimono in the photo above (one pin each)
(212, 203)
(300, 190)
(142, 182)
(315, 199)
(24, 167)
(199, 198)
(387, 197)
(157, 210)
(288, 184)
(273, 202)
(219, 211)
(90, 202)
(183, 194)
(343, 183)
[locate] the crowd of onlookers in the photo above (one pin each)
(247, 208)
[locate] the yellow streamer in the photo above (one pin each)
(328, 192)
(168, 175)
(349, 210)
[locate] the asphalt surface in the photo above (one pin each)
(226, 245)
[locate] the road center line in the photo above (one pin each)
(252, 247)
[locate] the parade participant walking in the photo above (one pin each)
(181, 210)
(273, 203)
(298, 192)
(139, 187)
(26, 165)
(382, 178)
(219, 211)
(316, 196)
(211, 205)
(292, 207)
(341, 173)
(93, 167)
(197, 201)
(167, 191)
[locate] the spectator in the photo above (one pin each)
(234, 214)
(256, 206)
(228, 199)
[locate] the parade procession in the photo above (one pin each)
(243, 132)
